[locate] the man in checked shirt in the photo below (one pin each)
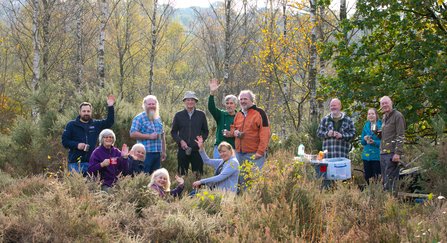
(147, 128)
(336, 130)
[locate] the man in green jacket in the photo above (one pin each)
(392, 137)
(223, 118)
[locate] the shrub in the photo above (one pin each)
(284, 204)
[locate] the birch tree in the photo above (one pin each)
(102, 37)
(159, 20)
(223, 33)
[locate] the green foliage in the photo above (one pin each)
(314, 143)
(434, 162)
(401, 53)
(308, 137)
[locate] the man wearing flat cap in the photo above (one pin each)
(188, 124)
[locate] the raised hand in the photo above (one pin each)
(213, 86)
(110, 100)
(199, 142)
(125, 150)
(132, 155)
(179, 180)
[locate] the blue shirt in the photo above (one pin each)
(143, 125)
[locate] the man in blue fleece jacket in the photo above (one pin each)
(81, 135)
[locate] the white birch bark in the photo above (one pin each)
(227, 46)
(153, 44)
(102, 37)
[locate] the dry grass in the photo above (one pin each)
(283, 205)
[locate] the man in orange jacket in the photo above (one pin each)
(252, 133)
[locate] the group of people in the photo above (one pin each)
(241, 136)
(383, 140)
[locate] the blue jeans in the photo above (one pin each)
(216, 154)
(79, 167)
(257, 165)
(152, 162)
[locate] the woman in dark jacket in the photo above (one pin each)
(136, 157)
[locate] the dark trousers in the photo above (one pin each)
(390, 172)
(372, 169)
(184, 160)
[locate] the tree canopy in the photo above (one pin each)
(401, 53)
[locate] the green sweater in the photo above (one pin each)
(223, 121)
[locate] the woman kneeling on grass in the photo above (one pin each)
(226, 172)
(161, 183)
(107, 161)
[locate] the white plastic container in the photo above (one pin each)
(338, 168)
(301, 150)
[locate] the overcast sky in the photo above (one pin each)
(190, 3)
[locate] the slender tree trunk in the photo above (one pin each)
(312, 63)
(123, 46)
(36, 48)
(269, 58)
(343, 17)
(153, 44)
(284, 87)
(79, 20)
(322, 61)
(47, 6)
(227, 45)
(102, 37)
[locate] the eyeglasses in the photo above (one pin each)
(108, 137)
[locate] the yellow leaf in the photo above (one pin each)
(205, 193)
(202, 198)
(366, 154)
(430, 196)
(211, 196)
